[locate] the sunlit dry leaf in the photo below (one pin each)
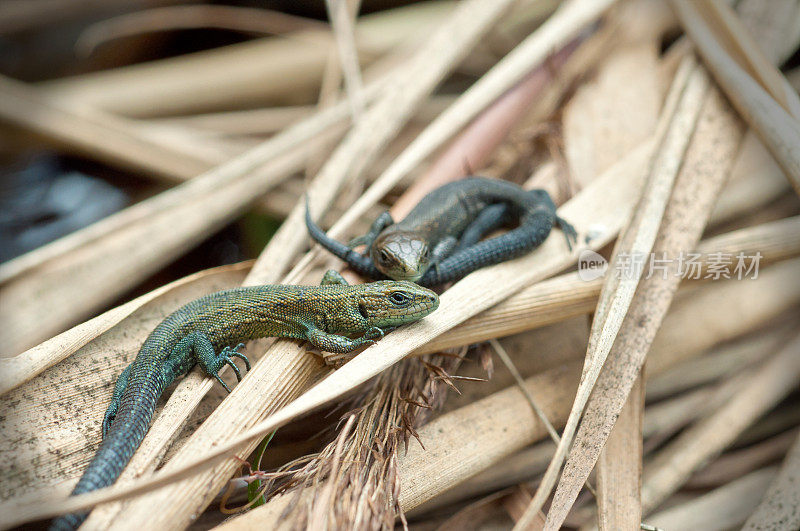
(613, 114)
(777, 127)
(510, 422)
(619, 467)
(676, 125)
(701, 177)
(677, 233)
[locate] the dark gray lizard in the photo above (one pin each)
(203, 332)
(439, 241)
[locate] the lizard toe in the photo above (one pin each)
(236, 370)
(374, 334)
(216, 376)
(243, 358)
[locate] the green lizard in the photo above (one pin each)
(203, 331)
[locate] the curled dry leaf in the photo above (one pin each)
(717, 137)
(619, 467)
(776, 126)
(443, 437)
(675, 127)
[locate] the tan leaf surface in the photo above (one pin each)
(780, 507)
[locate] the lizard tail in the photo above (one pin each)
(359, 263)
(126, 433)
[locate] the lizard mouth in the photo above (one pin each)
(411, 274)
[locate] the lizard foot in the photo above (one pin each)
(225, 357)
(569, 232)
(228, 352)
(374, 334)
(358, 240)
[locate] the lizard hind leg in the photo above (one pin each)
(203, 352)
(490, 218)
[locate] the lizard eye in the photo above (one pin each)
(400, 298)
(383, 256)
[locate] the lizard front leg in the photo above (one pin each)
(380, 223)
(440, 251)
(337, 344)
(333, 278)
(569, 232)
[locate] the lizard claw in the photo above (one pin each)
(229, 352)
(243, 358)
(216, 376)
(227, 355)
(569, 232)
(235, 369)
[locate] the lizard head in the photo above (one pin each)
(400, 255)
(389, 303)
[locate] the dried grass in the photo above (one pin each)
(764, 101)
(754, 395)
(259, 72)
